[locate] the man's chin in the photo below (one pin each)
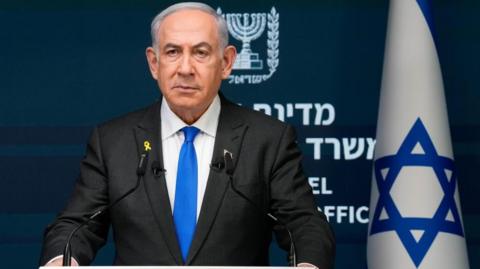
(184, 104)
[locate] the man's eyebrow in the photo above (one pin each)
(196, 46)
(203, 44)
(171, 45)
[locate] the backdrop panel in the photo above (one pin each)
(66, 66)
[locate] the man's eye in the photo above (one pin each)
(202, 53)
(171, 53)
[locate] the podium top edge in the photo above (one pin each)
(173, 267)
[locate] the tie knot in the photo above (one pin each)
(190, 132)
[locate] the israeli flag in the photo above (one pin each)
(415, 213)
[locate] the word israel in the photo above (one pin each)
(319, 186)
(353, 147)
(246, 28)
(322, 114)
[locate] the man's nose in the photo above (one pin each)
(186, 66)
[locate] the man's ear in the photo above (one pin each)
(229, 56)
(152, 60)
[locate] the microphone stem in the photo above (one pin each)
(67, 252)
(292, 257)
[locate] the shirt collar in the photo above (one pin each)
(207, 123)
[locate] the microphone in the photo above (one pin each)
(157, 169)
(217, 165)
(229, 168)
(141, 169)
(227, 156)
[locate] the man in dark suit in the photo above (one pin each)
(219, 169)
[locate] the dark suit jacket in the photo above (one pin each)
(230, 230)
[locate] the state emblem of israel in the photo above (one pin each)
(249, 67)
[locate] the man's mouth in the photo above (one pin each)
(186, 87)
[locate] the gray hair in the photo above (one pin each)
(221, 23)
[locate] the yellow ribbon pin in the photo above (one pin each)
(146, 144)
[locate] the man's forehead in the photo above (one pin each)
(189, 20)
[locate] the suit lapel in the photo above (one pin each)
(155, 187)
(229, 137)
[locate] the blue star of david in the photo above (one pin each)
(403, 225)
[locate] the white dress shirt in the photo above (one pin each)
(172, 140)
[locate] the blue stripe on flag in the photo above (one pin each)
(425, 6)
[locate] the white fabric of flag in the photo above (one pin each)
(415, 213)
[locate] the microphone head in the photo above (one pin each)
(228, 163)
(142, 164)
(217, 164)
(157, 168)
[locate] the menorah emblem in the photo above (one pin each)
(246, 30)
(247, 27)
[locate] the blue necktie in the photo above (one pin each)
(185, 205)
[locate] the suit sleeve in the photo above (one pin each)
(293, 203)
(90, 194)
